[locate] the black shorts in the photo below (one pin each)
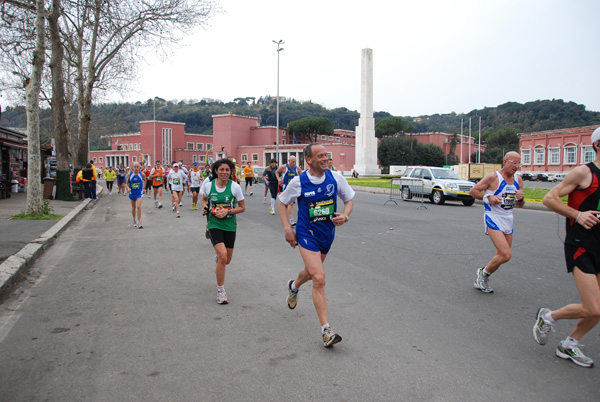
(587, 260)
(109, 185)
(273, 190)
(120, 180)
(148, 185)
(249, 180)
(178, 192)
(195, 189)
(159, 186)
(221, 236)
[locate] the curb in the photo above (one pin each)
(13, 268)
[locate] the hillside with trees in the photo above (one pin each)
(500, 124)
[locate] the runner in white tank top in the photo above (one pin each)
(500, 216)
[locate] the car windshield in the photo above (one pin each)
(445, 174)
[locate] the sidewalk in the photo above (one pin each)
(22, 241)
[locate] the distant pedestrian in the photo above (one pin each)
(110, 175)
(177, 180)
(121, 173)
(248, 177)
(86, 176)
(285, 173)
(157, 175)
(272, 182)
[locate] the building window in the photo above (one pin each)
(134, 159)
(554, 156)
(200, 146)
(570, 155)
(587, 154)
(329, 155)
(337, 139)
(283, 133)
(190, 146)
(324, 137)
(94, 159)
(282, 142)
(208, 146)
(100, 159)
(526, 156)
(330, 138)
(254, 157)
(201, 158)
(194, 158)
(539, 156)
(244, 157)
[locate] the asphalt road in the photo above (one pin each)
(113, 313)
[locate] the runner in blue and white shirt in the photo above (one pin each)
(135, 184)
(285, 173)
(317, 191)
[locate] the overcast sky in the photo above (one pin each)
(430, 56)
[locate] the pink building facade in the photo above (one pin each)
(465, 145)
(556, 151)
(240, 137)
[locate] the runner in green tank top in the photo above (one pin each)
(222, 199)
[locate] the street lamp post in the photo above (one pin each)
(279, 49)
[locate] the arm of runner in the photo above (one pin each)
(520, 195)
(572, 181)
(279, 170)
(340, 218)
(478, 189)
(290, 236)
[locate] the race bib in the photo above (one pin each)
(158, 179)
(196, 181)
(176, 181)
(136, 186)
(321, 211)
(218, 207)
(508, 201)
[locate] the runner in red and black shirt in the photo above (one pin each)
(582, 254)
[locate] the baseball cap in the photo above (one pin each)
(195, 163)
(596, 135)
(176, 164)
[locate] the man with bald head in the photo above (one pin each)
(500, 191)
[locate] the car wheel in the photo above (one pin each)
(437, 197)
(468, 202)
(406, 193)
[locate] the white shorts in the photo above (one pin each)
(502, 223)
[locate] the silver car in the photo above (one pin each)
(436, 183)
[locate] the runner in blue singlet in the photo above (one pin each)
(136, 182)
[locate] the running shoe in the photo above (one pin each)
(271, 211)
(542, 327)
(173, 209)
(155, 203)
(148, 195)
(181, 204)
(251, 193)
(135, 225)
(159, 206)
(292, 223)
(207, 234)
(222, 297)
(179, 216)
(573, 353)
(330, 338)
(140, 225)
(292, 298)
(481, 282)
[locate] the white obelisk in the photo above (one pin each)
(366, 143)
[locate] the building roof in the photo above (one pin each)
(560, 131)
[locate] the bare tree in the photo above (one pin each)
(104, 39)
(32, 91)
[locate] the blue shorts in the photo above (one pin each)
(135, 195)
(317, 244)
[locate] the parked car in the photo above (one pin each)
(439, 185)
(258, 174)
(542, 177)
(526, 176)
(554, 177)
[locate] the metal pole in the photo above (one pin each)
(279, 49)
(461, 140)
(479, 150)
(469, 140)
(154, 120)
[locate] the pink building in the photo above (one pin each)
(240, 137)
(556, 150)
(465, 145)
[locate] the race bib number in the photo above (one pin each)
(158, 179)
(321, 211)
(196, 181)
(508, 201)
(136, 186)
(176, 181)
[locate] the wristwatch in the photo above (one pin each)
(347, 217)
(229, 213)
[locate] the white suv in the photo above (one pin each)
(439, 185)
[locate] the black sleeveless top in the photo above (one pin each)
(585, 200)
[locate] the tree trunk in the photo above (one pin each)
(32, 94)
(59, 122)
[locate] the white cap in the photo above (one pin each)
(596, 135)
(176, 164)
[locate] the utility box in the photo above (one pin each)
(49, 188)
(476, 171)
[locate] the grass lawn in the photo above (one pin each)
(35, 217)
(531, 194)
